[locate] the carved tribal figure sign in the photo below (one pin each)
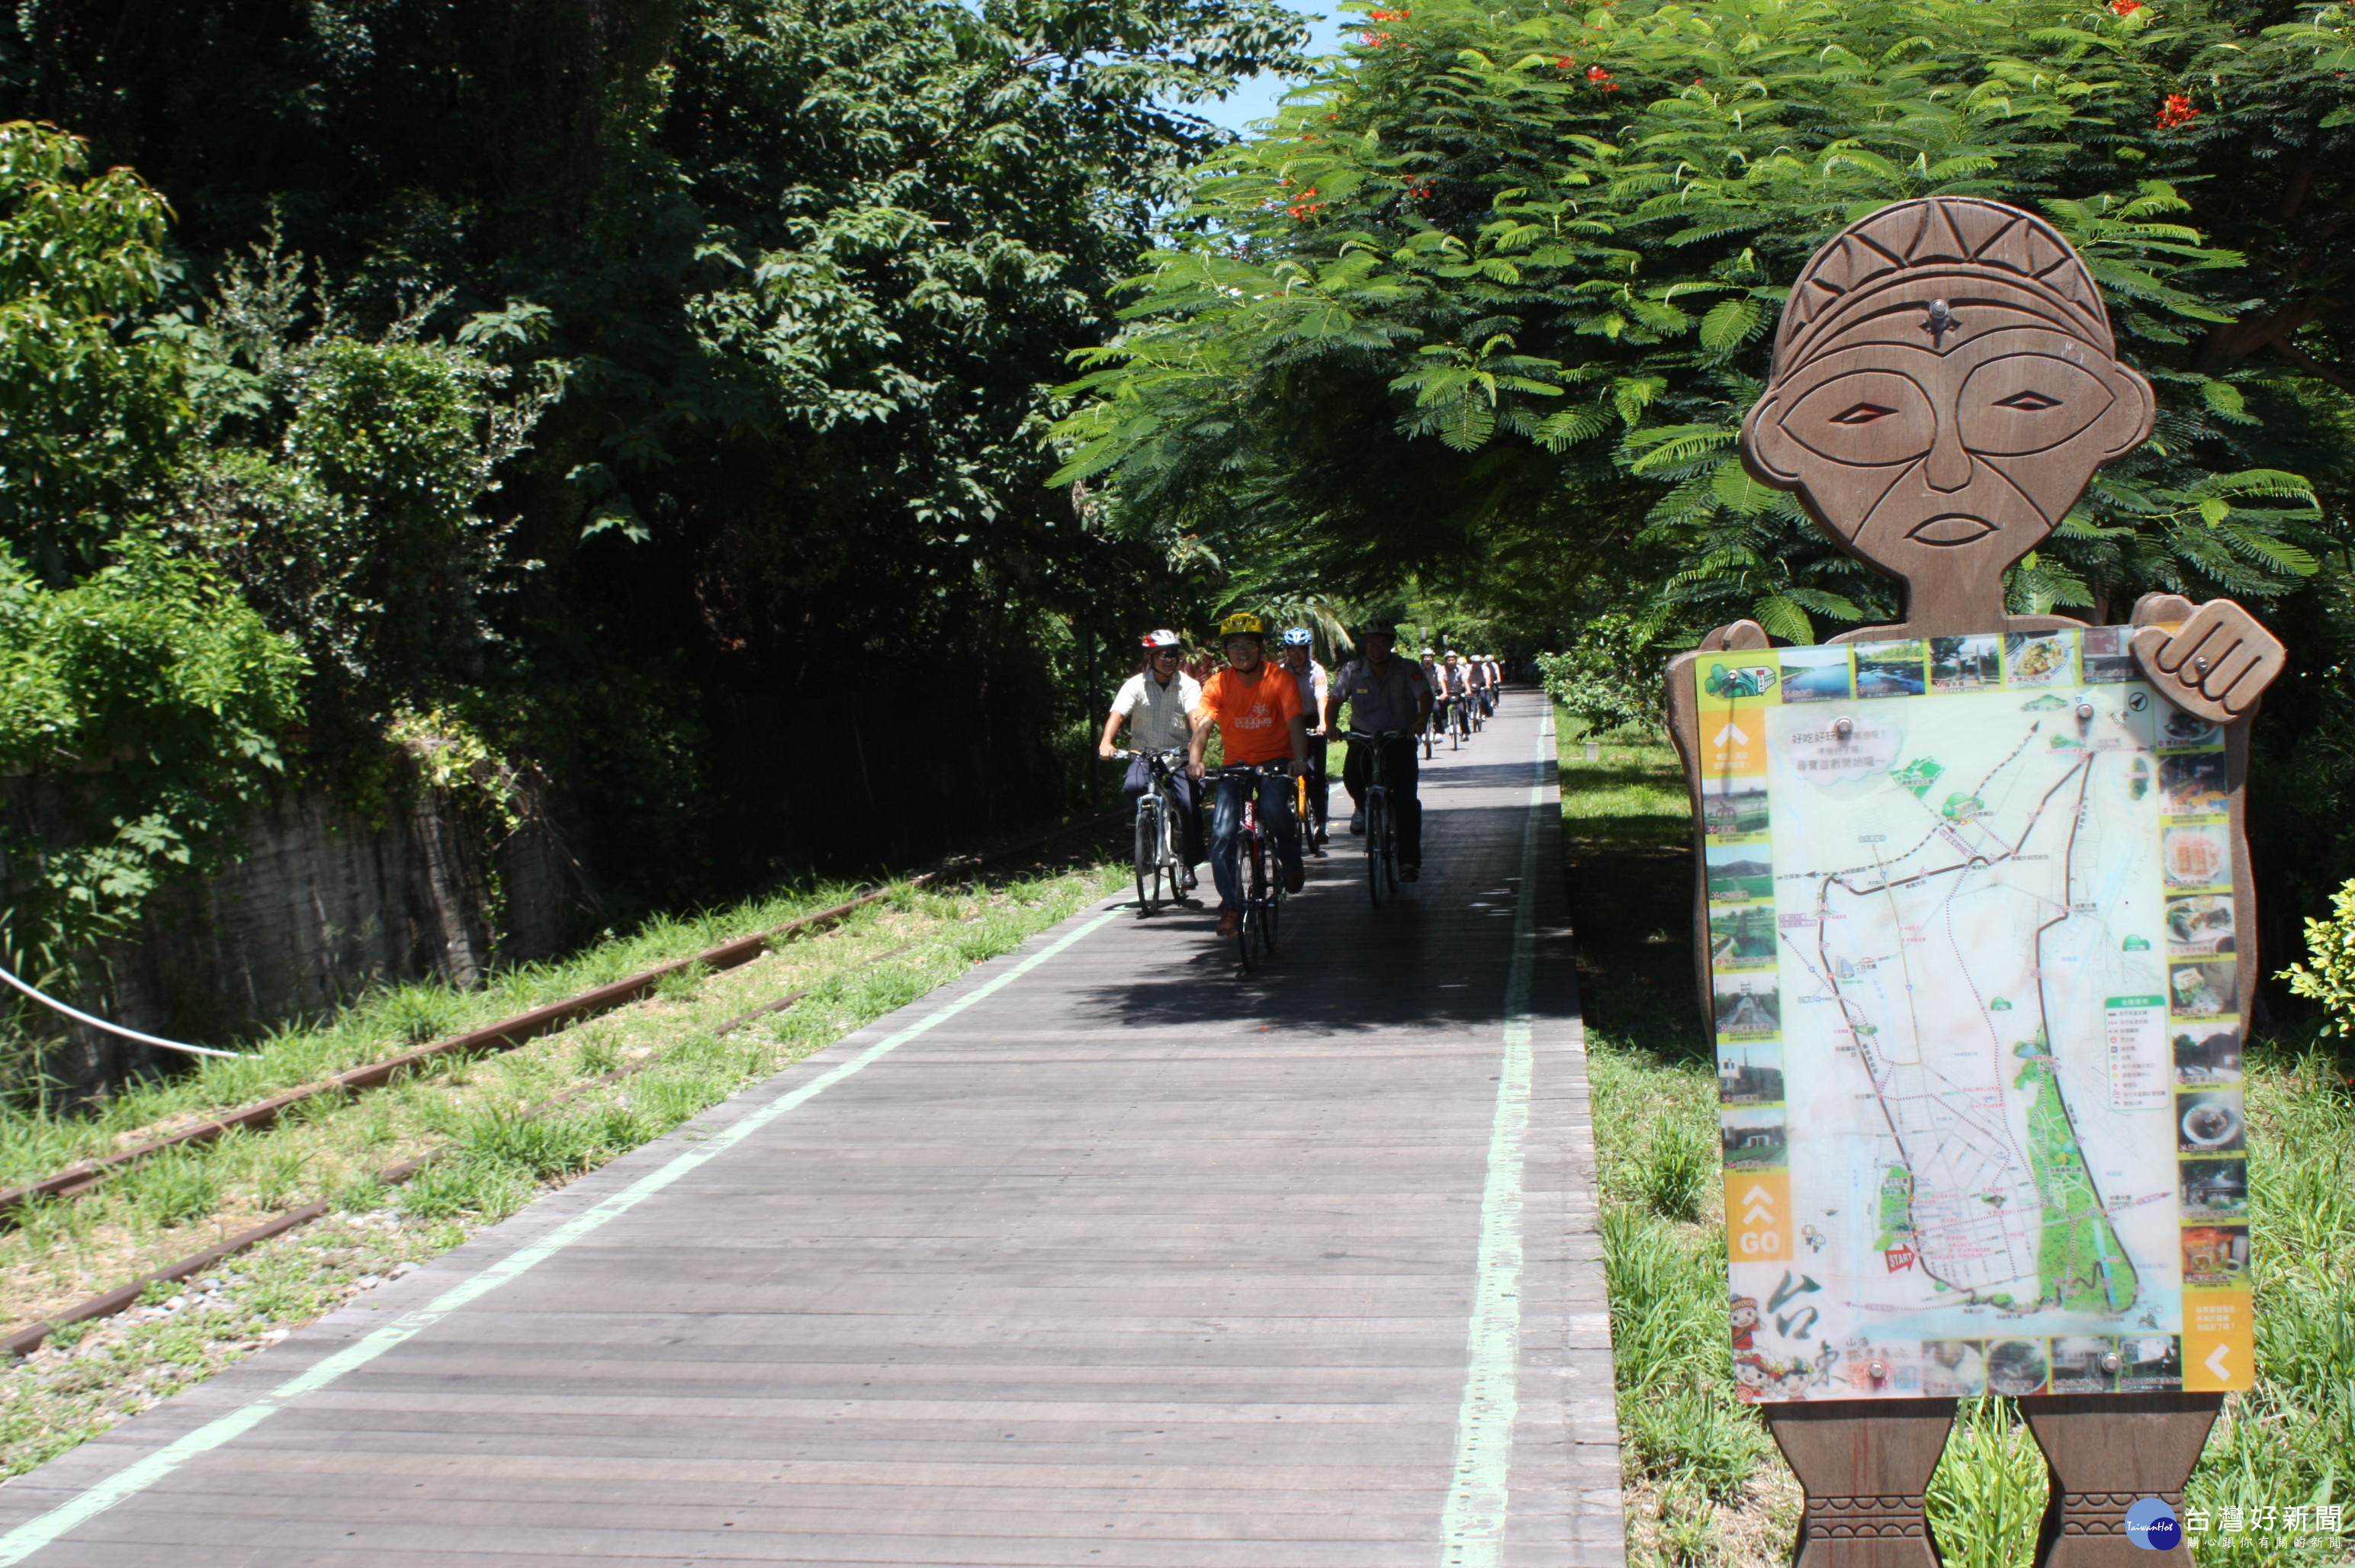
(1973, 912)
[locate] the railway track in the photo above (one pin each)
(505, 1035)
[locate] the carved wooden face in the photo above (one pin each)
(1945, 422)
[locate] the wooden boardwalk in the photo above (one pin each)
(1096, 1256)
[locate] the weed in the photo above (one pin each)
(1986, 1497)
(277, 1177)
(683, 985)
(597, 1056)
(1678, 1170)
(447, 1189)
(171, 1188)
(416, 1014)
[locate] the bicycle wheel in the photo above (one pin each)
(1378, 826)
(1389, 858)
(1169, 848)
(1148, 854)
(1249, 872)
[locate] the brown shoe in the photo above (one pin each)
(1294, 879)
(1229, 921)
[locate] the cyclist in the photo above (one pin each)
(1385, 693)
(1258, 715)
(1157, 701)
(1435, 677)
(1484, 670)
(1300, 663)
(1458, 685)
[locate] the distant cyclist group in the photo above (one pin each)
(1273, 722)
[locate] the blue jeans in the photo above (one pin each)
(1190, 811)
(1227, 829)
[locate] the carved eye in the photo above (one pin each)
(2028, 403)
(1867, 418)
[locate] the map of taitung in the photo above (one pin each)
(1974, 1013)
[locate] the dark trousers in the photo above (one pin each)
(1189, 804)
(1319, 787)
(1227, 829)
(1399, 759)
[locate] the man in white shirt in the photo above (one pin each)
(1300, 663)
(1436, 678)
(1156, 702)
(1386, 695)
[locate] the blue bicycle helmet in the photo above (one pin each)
(1298, 636)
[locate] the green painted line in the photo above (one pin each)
(41, 1530)
(1479, 1494)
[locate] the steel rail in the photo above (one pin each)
(27, 1339)
(510, 1033)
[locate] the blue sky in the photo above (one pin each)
(1256, 99)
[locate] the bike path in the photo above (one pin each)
(1096, 1256)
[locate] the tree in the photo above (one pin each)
(1494, 293)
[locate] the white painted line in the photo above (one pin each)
(1479, 1496)
(41, 1530)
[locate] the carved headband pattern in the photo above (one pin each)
(1971, 242)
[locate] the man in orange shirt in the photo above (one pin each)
(1260, 719)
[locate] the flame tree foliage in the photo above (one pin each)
(1488, 303)
(655, 389)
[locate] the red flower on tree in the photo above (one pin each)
(2126, 8)
(1595, 73)
(2175, 111)
(1565, 62)
(1399, 15)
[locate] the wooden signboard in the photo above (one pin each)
(1973, 919)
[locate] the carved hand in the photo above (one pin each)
(2214, 664)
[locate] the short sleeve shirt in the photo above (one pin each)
(1377, 703)
(1157, 714)
(1313, 685)
(1254, 717)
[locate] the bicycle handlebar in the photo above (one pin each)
(1121, 755)
(1381, 735)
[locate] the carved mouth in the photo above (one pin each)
(1951, 530)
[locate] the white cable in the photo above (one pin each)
(80, 1016)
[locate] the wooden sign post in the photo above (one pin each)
(1974, 920)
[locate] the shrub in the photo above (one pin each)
(2330, 945)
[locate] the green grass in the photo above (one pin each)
(494, 1157)
(1706, 1486)
(36, 1141)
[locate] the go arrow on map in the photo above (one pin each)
(2215, 1362)
(1731, 736)
(1762, 1207)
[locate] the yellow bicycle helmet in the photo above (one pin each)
(1242, 624)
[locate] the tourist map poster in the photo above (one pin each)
(1975, 991)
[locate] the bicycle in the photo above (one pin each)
(1433, 726)
(1382, 828)
(1300, 813)
(1459, 719)
(1159, 831)
(1480, 710)
(1263, 893)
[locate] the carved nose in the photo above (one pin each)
(1950, 464)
